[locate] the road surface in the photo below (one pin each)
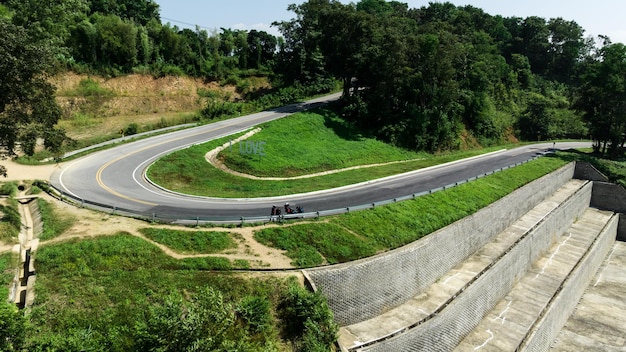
(115, 178)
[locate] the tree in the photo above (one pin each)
(262, 46)
(116, 45)
(28, 109)
(139, 11)
(602, 98)
(48, 19)
(566, 48)
(301, 59)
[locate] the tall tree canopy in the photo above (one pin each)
(422, 77)
(602, 97)
(28, 110)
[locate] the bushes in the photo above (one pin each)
(283, 96)
(12, 327)
(216, 109)
(310, 322)
(131, 129)
(9, 189)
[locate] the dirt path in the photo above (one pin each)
(18, 172)
(90, 223)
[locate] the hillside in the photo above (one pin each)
(107, 105)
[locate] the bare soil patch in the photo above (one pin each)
(92, 223)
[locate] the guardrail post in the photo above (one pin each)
(197, 221)
(82, 203)
(114, 209)
(153, 217)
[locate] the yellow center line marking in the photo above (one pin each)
(103, 167)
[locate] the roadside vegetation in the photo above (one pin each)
(85, 300)
(359, 234)
(304, 143)
(191, 242)
(55, 220)
(481, 81)
(10, 221)
(120, 293)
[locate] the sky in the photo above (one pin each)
(597, 17)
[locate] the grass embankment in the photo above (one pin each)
(360, 234)
(303, 143)
(191, 242)
(120, 293)
(56, 222)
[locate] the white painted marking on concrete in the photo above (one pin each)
(543, 269)
(501, 315)
(450, 278)
(486, 342)
(421, 310)
(608, 260)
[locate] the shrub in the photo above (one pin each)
(132, 129)
(311, 324)
(9, 189)
(89, 88)
(255, 311)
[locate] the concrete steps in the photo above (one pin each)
(509, 293)
(515, 317)
(421, 309)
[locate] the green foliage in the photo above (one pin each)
(256, 312)
(312, 244)
(85, 302)
(131, 129)
(191, 242)
(10, 221)
(310, 320)
(28, 109)
(9, 189)
(90, 88)
(13, 327)
(602, 97)
(9, 262)
(55, 223)
(204, 324)
(216, 109)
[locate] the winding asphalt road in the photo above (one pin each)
(115, 178)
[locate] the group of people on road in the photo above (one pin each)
(276, 211)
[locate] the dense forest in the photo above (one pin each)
(434, 78)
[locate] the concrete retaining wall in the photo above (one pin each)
(363, 289)
(609, 196)
(35, 214)
(556, 315)
(586, 171)
(446, 330)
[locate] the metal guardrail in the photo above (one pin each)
(242, 220)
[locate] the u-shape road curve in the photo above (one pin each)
(116, 177)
